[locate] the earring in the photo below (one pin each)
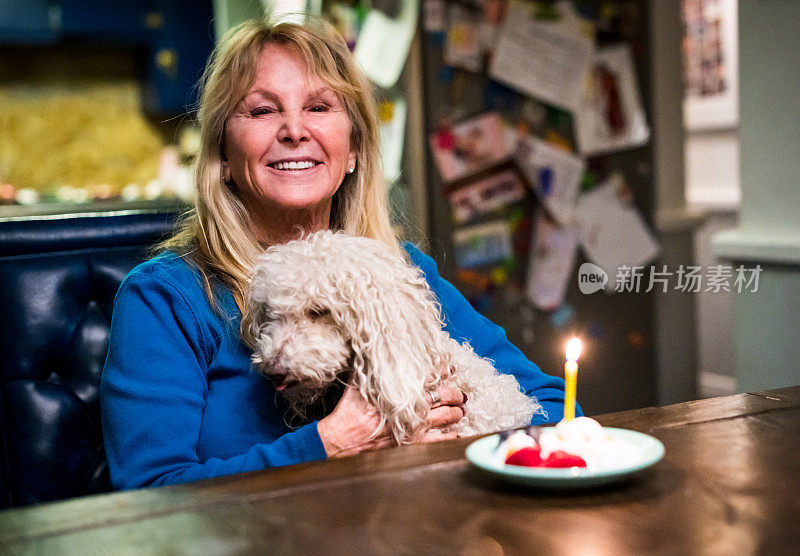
(351, 169)
(226, 174)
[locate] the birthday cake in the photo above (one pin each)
(581, 442)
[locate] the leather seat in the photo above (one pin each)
(58, 279)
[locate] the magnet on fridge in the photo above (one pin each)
(499, 98)
(445, 74)
(481, 303)
(474, 278)
(558, 140)
(437, 38)
(456, 88)
(515, 217)
(588, 181)
(636, 339)
(499, 276)
(595, 330)
(562, 316)
(546, 180)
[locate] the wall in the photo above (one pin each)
(675, 323)
(716, 364)
(768, 320)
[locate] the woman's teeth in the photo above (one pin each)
(293, 165)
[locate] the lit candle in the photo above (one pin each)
(574, 348)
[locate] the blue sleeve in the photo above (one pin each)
(153, 393)
(464, 323)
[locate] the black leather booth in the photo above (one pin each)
(58, 278)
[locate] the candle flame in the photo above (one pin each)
(574, 348)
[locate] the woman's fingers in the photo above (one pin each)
(446, 406)
(445, 415)
(446, 395)
(350, 427)
(438, 436)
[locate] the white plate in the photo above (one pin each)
(481, 454)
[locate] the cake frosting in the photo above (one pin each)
(579, 442)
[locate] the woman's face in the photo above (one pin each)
(287, 144)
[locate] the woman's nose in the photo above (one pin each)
(293, 129)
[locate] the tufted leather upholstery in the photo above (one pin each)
(58, 278)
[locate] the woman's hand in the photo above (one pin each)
(348, 429)
(447, 407)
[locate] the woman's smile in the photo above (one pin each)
(293, 165)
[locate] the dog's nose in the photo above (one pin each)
(280, 378)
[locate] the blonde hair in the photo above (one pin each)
(217, 234)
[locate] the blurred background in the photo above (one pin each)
(656, 141)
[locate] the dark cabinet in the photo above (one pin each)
(179, 48)
(175, 38)
(30, 22)
(122, 21)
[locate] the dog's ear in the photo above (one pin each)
(395, 329)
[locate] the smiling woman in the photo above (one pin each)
(289, 146)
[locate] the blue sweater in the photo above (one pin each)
(180, 401)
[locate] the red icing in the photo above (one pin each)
(560, 458)
(532, 457)
(528, 457)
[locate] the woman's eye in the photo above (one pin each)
(319, 108)
(261, 111)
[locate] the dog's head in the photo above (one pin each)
(302, 354)
(333, 303)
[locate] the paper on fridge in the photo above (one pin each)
(485, 195)
(470, 146)
(383, 43)
(545, 60)
(292, 11)
(434, 15)
(483, 244)
(463, 48)
(392, 116)
(551, 261)
(554, 175)
(610, 116)
(612, 232)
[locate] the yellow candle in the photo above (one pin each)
(573, 351)
(571, 377)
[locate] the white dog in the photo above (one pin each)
(333, 307)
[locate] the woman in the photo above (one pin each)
(289, 146)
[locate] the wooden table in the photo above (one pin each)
(729, 484)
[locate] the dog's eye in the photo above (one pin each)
(318, 313)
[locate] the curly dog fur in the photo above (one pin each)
(331, 305)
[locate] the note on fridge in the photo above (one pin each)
(545, 60)
(554, 175)
(392, 117)
(483, 244)
(470, 146)
(383, 43)
(481, 196)
(612, 232)
(610, 116)
(551, 262)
